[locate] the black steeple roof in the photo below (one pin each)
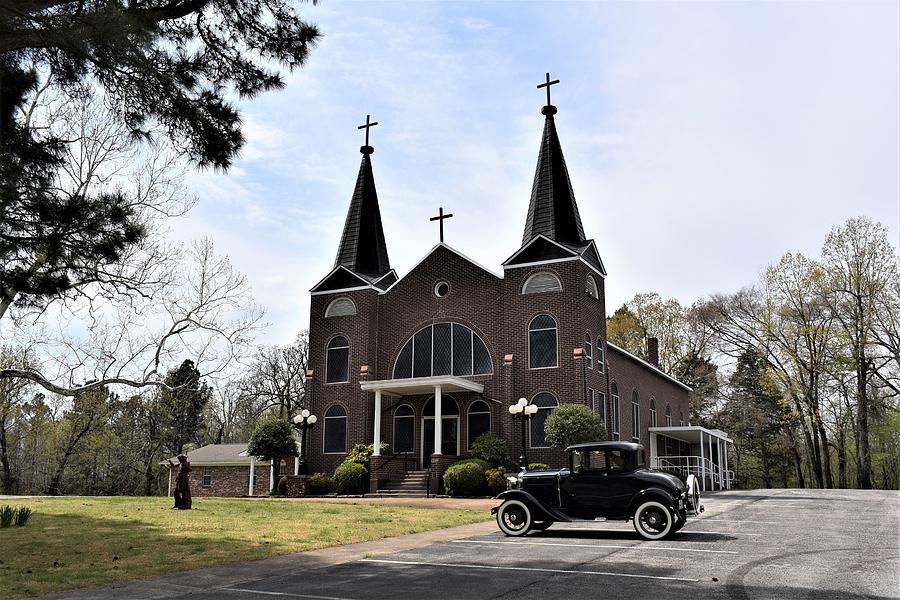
(552, 211)
(363, 249)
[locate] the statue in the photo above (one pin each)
(182, 483)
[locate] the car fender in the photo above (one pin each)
(541, 511)
(656, 492)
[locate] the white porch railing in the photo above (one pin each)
(698, 466)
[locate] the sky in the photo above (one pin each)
(703, 139)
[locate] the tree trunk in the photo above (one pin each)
(798, 461)
(863, 456)
(276, 474)
(9, 480)
(812, 447)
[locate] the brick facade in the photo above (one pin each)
(227, 481)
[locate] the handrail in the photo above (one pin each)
(696, 465)
(392, 457)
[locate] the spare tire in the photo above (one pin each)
(693, 497)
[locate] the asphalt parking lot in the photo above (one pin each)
(747, 545)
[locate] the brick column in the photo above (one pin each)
(439, 464)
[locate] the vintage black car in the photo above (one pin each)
(604, 481)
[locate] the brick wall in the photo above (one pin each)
(225, 481)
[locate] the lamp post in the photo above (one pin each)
(523, 411)
(304, 422)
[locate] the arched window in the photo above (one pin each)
(443, 349)
(541, 282)
(340, 307)
(337, 360)
(668, 416)
(542, 342)
(404, 426)
(545, 403)
(590, 287)
(601, 357)
(635, 417)
(652, 412)
(479, 420)
(588, 351)
(614, 405)
(335, 430)
(680, 419)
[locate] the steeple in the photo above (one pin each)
(552, 210)
(363, 249)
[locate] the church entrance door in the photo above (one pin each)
(449, 429)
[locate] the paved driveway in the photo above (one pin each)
(747, 545)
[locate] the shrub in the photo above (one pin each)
(7, 514)
(360, 453)
(22, 515)
(466, 478)
(495, 480)
(538, 467)
(351, 478)
(573, 424)
(320, 484)
(490, 447)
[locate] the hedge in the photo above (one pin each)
(466, 478)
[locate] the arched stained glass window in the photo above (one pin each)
(590, 287)
(479, 420)
(614, 406)
(404, 426)
(652, 412)
(542, 342)
(340, 307)
(589, 351)
(335, 430)
(546, 403)
(541, 282)
(635, 417)
(443, 349)
(337, 360)
(668, 416)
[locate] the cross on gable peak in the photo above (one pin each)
(440, 219)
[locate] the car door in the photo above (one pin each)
(587, 486)
(620, 483)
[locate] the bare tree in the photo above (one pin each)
(277, 378)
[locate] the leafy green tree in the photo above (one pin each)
(181, 407)
(273, 440)
(168, 61)
(624, 330)
(573, 424)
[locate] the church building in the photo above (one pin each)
(429, 361)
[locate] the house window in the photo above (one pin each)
(668, 416)
(601, 359)
(443, 349)
(337, 360)
(614, 402)
(590, 287)
(599, 405)
(207, 477)
(681, 419)
(541, 282)
(404, 427)
(588, 351)
(335, 430)
(479, 420)
(340, 307)
(652, 412)
(635, 417)
(545, 403)
(542, 342)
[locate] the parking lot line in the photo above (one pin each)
(282, 594)
(520, 569)
(614, 546)
(718, 532)
(738, 521)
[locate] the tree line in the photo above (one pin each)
(801, 368)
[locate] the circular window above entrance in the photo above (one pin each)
(441, 289)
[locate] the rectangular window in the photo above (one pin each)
(635, 422)
(615, 416)
(598, 404)
(338, 365)
(443, 350)
(462, 350)
(207, 476)
(422, 354)
(335, 435)
(601, 361)
(542, 348)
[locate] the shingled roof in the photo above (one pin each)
(552, 211)
(363, 249)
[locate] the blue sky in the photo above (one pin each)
(703, 139)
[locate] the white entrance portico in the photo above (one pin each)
(693, 450)
(417, 386)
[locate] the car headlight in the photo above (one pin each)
(512, 482)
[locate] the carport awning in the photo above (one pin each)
(692, 434)
(422, 385)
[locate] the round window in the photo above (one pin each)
(441, 289)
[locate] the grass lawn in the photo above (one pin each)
(82, 541)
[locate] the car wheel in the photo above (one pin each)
(541, 525)
(514, 518)
(653, 520)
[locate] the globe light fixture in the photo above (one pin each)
(312, 419)
(304, 413)
(303, 421)
(523, 411)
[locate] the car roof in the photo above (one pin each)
(628, 446)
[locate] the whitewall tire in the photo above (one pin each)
(653, 520)
(514, 518)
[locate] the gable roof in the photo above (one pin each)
(552, 210)
(363, 249)
(644, 363)
(543, 250)
(341, 279)
(219, 454)
(438, 246)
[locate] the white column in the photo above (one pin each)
(271, 475)
(376, 448)
(170, 480)
(728, 481)
(653, 455)
(296, 465)
(702, 464)
(712, 464)
(437, 419)
(252, 475)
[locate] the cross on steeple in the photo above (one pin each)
(547, 85)
(368, 125)
(440, 219)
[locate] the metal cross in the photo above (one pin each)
(367, 126)
(440, 219)
(547, 85)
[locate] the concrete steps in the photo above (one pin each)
(414, 484)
